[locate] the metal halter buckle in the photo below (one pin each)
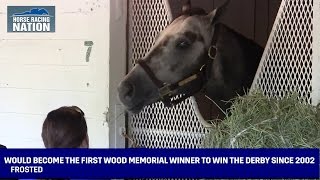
(165, 90)
(212, 52)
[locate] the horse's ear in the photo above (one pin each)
(216, 13)
(186, 7)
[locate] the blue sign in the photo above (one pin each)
(159, 163)
(31, 19)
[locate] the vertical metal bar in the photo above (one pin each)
(117, 70)
(315, 95)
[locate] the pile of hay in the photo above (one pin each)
(259, 122)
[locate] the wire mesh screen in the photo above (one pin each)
(286, 65)
(157, 126)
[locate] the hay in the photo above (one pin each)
(259, 122)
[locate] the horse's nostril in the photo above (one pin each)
(128, 91)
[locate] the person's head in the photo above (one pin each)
(65, 127)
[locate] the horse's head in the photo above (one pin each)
(173, 63)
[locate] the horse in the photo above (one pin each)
(194, 53)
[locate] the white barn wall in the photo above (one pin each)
(40, 72)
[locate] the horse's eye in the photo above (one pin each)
(183, 44)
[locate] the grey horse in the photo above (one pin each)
(195, 53)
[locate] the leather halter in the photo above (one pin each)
(167, 92)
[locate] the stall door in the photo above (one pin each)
(178, 127)
(157, 126)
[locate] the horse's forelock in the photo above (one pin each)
(194, 11)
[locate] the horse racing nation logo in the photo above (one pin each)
(31, 19)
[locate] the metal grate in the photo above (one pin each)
(157, 126)
(286, 65)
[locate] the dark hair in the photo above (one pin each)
(3, 146)
(65, 127)
(194, 11)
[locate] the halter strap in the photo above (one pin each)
(166, 91)
(212, 51)
(151, 75)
